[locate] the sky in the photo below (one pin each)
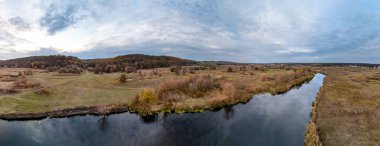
(252, 31)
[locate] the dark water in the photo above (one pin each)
(265, 120)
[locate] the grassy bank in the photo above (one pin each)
(88, 93)
(346, 111)
(205, 91)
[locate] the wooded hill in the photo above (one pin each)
(41, 61)
(138, 61)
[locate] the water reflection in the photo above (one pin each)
(103, 123)
(228, 112)
(149, 118)
(265, 120)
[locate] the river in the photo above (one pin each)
(265, 120)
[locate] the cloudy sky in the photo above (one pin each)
(253, 31)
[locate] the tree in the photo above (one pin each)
(184, 71)
(176, 69)
(123, 78)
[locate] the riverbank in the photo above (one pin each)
(346, 110)
(103, 94)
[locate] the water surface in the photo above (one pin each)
(265, 120)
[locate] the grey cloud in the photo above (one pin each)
(57, 18)
(45, 51)
(19, 23)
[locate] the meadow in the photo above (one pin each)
(346, 111)
(102, 93)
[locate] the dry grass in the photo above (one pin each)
(191, 87)
(23, 83)
(217, 88)
(191, 92)
(347, 110)
(11, 83)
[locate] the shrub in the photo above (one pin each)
(42, 92)
(230, 69)
(28, 72)
(98, 70)
(155, 72)
(176, 69)
(141, 74)
(9, 90)
(193, 86)
(110, 68)
(122, 78)
(242, 68)
(20, 73)
(285, 78)
(51, 69)
(90, 69)
(184, 71)
(228, 89)
(147, 96)
(25, 83)
(70, 69)
(130, 69)
(191, 70)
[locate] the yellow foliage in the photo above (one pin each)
(147, 96)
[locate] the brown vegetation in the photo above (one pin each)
(346, 111)
(24, 83)
(41, 62)
(189, 87)
(161, 90)
(12, 83)
(74, 69)
(215, 91)
(123, 78)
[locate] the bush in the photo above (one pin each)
(229, 89)
(90, 69)
(9, 90)
(28, 72)
(98, 70)
(243, 68)
(191, 70)
(176, 69)
(110, 68)
(194, 86)
(147, 96)
(42, 92)
(155, 73)
(230, 69)
(70, 69)
(25, 83)
(285, 78)
(184, 71)
(142, 75)
(122, 78)
(130, 69)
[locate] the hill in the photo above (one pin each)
(41, 61)
(138, 61)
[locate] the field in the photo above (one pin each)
(347, 108)
(59, 92)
